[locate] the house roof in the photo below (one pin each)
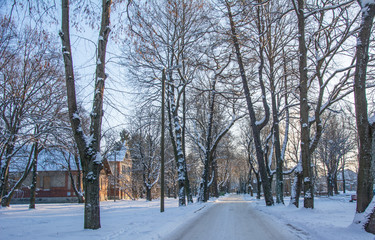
(349, 175)
(117, 156)
(49, 160)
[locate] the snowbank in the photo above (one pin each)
(330, 219)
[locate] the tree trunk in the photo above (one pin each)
(343, 179)
(296, 187)
(76, 185)
(279, 160)
(4, 185)
(365, 175)
(335, 187)
(181, 170)
(8, 197)
(34, 177)
(148, 194)
(88, 146)
(91, 186)
(187, 182)
(275, 127)
(365, 178)
(308, 185)
(329, 184)
(175, 132)
(77, 188)
(214, 181)
(4, 170)
(188, 193)
(204, 194)
(259, 186)
(175, 190)
(250, 186)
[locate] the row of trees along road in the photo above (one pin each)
(283, 69)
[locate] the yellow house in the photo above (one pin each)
(119, 181)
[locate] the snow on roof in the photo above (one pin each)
(55, 159)
(349, 175)
(48, 160)
(117, 156)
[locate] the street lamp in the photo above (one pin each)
(162, 141)
(114, 179)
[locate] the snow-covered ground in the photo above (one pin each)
(124, 219)
(331, 219)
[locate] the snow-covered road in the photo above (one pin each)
(231, 218)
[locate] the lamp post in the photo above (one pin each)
(114, 179)
(162, 142)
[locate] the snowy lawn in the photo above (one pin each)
(331, 218)
(120, 220)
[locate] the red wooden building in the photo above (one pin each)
(55, 186)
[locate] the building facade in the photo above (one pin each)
(59, 186)
(119, 182)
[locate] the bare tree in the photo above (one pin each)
(256, 126)
(88, 144)
(277, 28)
(319, 63)
(165, 35)
(215, 112)
(333, 146)
(144, 147)
(31, 80)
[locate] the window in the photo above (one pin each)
(46, 182)
(39, 183)
(69, 183)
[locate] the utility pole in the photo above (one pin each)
(114, 180)
(162, 141)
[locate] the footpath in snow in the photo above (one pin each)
(231, 217)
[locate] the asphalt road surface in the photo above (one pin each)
(232, 218)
